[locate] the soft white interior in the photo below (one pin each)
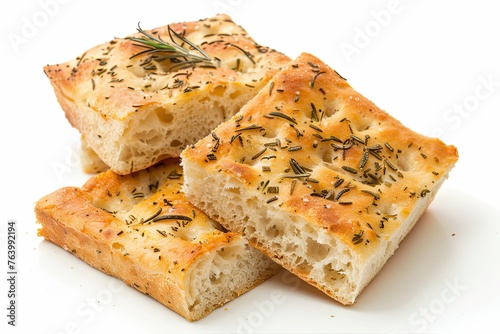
(224, 273)
(163, 129)
(166, 129)
(301, 247)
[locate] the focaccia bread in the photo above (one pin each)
(317, 177)
(135, 106)
(141, 229)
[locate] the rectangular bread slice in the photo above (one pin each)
(135, 106)
(141, 229)
(317, 177)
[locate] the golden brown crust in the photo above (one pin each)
(141, 229)
(429, 157)
(109, 96)
(310, 145)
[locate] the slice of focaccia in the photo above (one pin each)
(141, 229)
(136, 102)
(317, 177)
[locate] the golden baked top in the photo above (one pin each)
(310, 144)
(136, 102)
(143, 216)
(115, 80)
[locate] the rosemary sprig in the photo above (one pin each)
(172, 217)
(172, 50)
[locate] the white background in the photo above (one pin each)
(432, 64)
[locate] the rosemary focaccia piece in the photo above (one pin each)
(143, 98)
(141, 229)
(317, 177)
